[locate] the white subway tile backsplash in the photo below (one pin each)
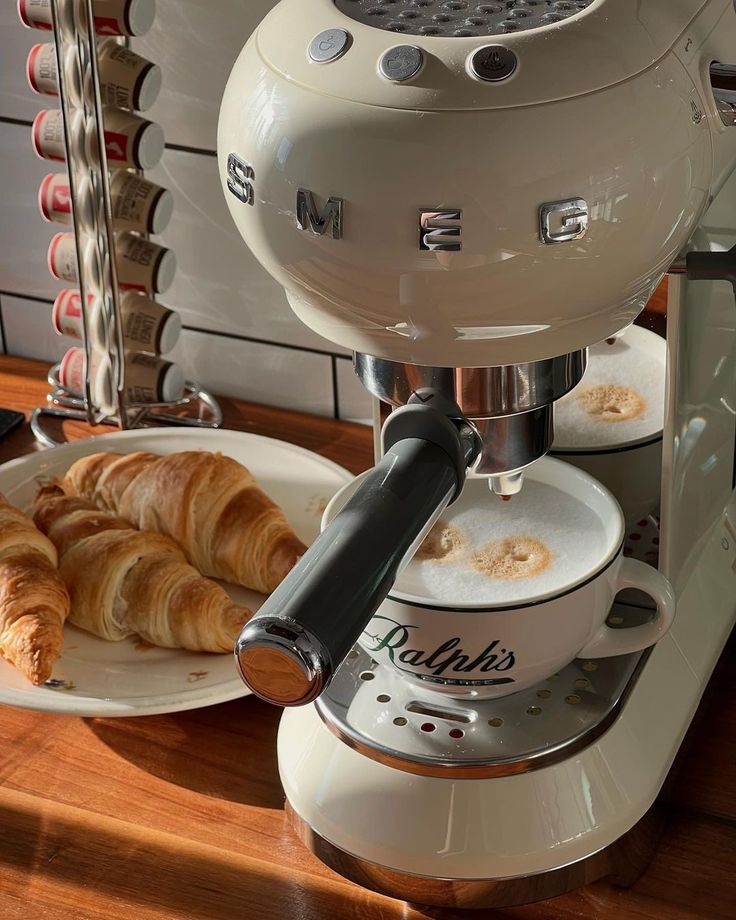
(196, 43)
(270, 374)
(219, 285)
(354, 401)
(24, 236)
(17, 100)
(28, 330)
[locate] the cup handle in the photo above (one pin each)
(608, 642)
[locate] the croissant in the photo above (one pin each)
(211, 505)
(33, 600)
(124, 582)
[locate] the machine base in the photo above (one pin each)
(623, 862)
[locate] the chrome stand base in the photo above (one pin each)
(623, 862)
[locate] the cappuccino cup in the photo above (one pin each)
(502, 595)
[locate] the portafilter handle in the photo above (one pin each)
(288, 653)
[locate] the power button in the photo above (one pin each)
(493, 63)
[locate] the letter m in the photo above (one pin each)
(307, 217)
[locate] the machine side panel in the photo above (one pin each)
(698, 473)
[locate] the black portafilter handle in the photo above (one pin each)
(289, 651)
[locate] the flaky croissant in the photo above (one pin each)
(125, 582)
(211, 505)
(33, 600)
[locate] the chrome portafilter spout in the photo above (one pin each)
(289, 651)
(510, 406)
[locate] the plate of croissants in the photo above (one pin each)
(130, 562)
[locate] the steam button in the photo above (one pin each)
(493, 63)
(329, 46)
(401, 63)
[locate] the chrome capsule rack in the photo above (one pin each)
(101, 394)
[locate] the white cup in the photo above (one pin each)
(494, 650)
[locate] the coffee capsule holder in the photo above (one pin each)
(75, 38)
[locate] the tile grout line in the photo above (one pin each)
(23, 122)
(32, 297)
(185, 148)
(2, 330)
(258, 341)
(335, 388)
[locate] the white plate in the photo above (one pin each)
(94, 677)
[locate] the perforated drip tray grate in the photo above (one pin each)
(460, 18)
(376, 711)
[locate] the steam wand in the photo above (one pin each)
(288, 653)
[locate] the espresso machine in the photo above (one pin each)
(468, 195)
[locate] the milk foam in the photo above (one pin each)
(621, 364)
(571, 532)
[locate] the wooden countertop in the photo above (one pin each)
(181, 816)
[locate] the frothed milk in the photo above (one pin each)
(485, 551)
(620, 398)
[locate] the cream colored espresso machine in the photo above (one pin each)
(467, 195)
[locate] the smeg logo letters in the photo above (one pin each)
(439, 229)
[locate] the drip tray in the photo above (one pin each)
(376, 711)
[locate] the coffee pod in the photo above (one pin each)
(148, 326)
(42, 74)
(62, 259)
(124, 17)
(149, 379)
(67, 319)
(73, 374)
(130, 141)
(112, 17)
(35, 14)
(127, 80)
(143, 265)
(72, 370)
(138, 204)
(54, 198)
(47, 135)
(41, 69)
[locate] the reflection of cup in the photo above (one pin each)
(526, 628)
(626, 456)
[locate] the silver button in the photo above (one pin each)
(329, 45)
(401, 63)
(492, 63)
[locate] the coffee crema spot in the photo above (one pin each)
(612, 403)
(444, 543)
(512, 557)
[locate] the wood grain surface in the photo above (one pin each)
(181, 816)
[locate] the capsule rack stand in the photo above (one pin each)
(86, 160)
